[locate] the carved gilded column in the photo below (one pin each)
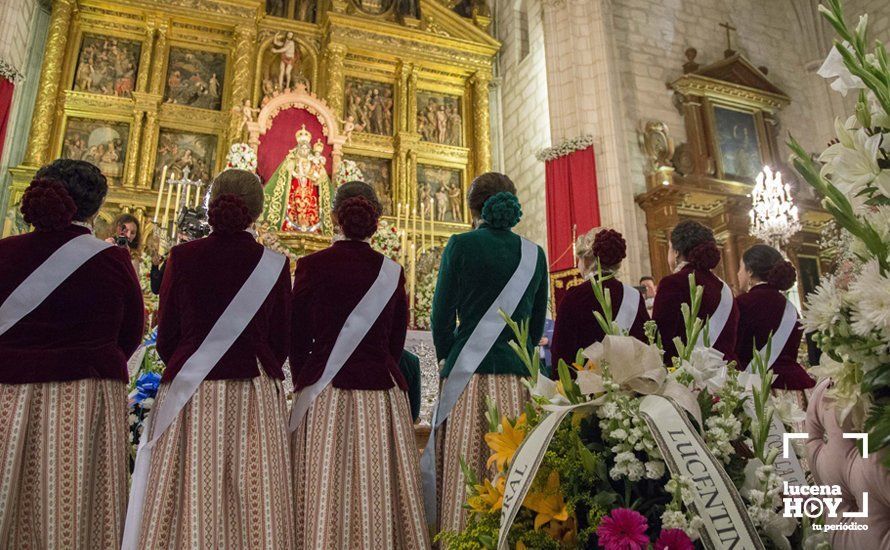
(402, 71)
(482, 131)
(50, 78)
(160, 51)
(243, 54)
(145, 56)
(335, 55)
(411, 107)
(135, 141)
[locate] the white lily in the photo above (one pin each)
(787, 410)
(852, 164)
(707, 367)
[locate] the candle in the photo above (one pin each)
(398, 216)
(160, 194)
(188, 195)
(178, 204)
(414, 226)
(167, 205)
(422, 228)
(432, 223)
(197, 196)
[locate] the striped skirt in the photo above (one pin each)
(63, 464)
(462, 436)
(220, 474)
(357, 473)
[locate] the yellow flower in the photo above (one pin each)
(488, 498)
(520, 545)
(589, 365)
(504, 444)
(548, 503)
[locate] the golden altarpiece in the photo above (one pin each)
(730, 110)
(399, 87)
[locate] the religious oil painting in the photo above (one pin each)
(439, 118)
(369, 105)
(185, 155)
(376, 173)
(107, 66)
(195, 78)
(301, 10)
(440, 189)
(374, 7)
(100, 142)
(738, 144)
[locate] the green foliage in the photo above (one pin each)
(481, 533)
(527, 353)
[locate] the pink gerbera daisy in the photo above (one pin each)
(673, 539)
(623, 529)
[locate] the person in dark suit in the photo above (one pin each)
(576, 327)
(63, 371)
(354, 449)
(409, 366)
(693, 250)
(226, 453)
(767, 275)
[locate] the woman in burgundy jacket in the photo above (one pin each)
(766, 275)
(220, 474)
(576, 327)
(692, 249)
(353, 449)
(63, 373)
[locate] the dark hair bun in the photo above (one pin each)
(782, 275)
(357, 217)
(47, 205)
(704, 256)
(609, 247)
(229, 214)
(502, 210)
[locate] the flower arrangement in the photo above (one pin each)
(143, 390)
(241, 156)
(565, 147)
(387, 240)
(603, 481)
(268, 237)
(148, 297)
(849, 313)
(347, 171)
(427, 276)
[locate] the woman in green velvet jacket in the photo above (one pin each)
(476, 267)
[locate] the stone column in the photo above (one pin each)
(243, 54)
(335, 55)
(481, 125)
(50, 78)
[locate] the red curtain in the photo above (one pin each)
(281, 138)
(571, 202)
(6, 90)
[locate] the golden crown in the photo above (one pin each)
(303, 136)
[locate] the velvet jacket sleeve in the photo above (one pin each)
(666, 312)
(280, 316)
(301, 333)
(169, 330)
(133, 321)
(409, 365)
(637, 330)
(539, 309)
(565, 335)
(399, 321)
(443, 319)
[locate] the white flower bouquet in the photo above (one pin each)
(348, 171)
(849, 313)
(242, 157)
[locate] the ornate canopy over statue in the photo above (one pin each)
(299, 147)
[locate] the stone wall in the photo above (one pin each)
(524, 125)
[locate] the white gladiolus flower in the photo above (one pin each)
(706, 366)
(673, 519)
(654, 469)
(833, 66)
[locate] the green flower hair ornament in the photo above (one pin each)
(502, 210)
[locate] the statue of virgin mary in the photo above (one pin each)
(298, 195)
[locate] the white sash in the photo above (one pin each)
(240, 311)
(627, 311)
(717, 321)
(47, 277)
(780, 337)
(354, 330)
(474, 351)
